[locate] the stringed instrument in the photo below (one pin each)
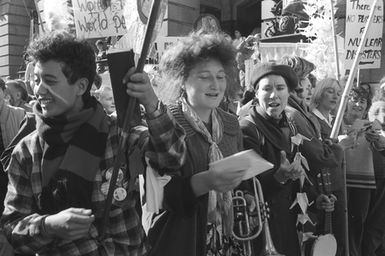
(325, 244)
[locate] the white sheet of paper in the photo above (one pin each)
(247, 160)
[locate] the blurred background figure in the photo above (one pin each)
(101, 57)
(105, 94)
(238, 38)
(10, 118)
(16, 94)
(302, 68)
(29, 74)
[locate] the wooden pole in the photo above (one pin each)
(39, 16)
(335, 41)
(155, 7)
(349, 83)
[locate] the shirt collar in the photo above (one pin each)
(328, 119)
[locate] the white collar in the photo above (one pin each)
(328, 119)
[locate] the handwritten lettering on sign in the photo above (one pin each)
(93, 21)
(357, 14)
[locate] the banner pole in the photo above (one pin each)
(338, 75)
(129, 116)
(349, 83)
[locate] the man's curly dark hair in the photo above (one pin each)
(181, 58)
(77, 56)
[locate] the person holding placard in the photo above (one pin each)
(59, 174)
(268, 131)
(197, 215)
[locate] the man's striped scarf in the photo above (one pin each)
(72, 149)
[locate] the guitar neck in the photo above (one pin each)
(328, 223)
(325, 183)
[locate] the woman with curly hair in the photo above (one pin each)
(197, 210)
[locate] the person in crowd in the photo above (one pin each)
(268, 131)
(319, 154)
(326, 96)
(101, 57)
(238, 38)
(28, 75)
(302, 68)
(59, 173)
(10, 118)
(360, 173)
(17, 95)
(197, 215)
(106, 97)
(374, 232)
(380, 91)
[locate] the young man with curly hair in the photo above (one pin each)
(60, 173)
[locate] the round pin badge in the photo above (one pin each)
(104, 187)
(120, 194)
(120, 177)
(108, 174)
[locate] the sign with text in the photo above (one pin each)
(164, 42)
(357, 14)
(93, 21)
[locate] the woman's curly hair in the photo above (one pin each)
(177, 62)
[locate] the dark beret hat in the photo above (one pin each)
(265, 69)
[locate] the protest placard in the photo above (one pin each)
(357, 14)
(94, 21)
(164, 42)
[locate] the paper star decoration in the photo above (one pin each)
(298, 140)
(304, 236)
(300, 163)
(302, 201)
(304, 218)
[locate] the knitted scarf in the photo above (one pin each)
(72, 149)
(220, 210)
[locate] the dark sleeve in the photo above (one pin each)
(321, 155)
(252, 139)
(27, 125)
(179, 196)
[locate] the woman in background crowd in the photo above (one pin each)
(359, 166)
(326, 96)
(302, 69)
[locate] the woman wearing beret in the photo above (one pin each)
(267, 131)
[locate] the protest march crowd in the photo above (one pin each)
(75, 182)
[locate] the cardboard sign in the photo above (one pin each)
(92, 21)
(357, 14)
(164, 42)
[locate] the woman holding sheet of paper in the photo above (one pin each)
(267, 130)
(197, 216)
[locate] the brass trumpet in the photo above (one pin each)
(242, 230)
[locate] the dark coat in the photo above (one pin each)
(268, 138)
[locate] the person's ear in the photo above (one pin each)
(82, 85)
